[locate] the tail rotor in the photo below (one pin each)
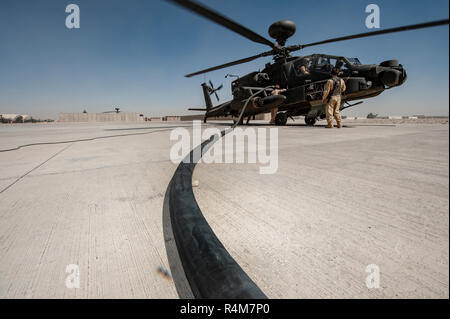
(212, 90)
(208, 90)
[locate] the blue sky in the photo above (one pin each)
(134, 53)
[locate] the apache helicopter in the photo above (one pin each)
(303, 77)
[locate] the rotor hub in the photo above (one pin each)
(282, 30)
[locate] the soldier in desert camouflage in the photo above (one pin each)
(274, 111)
(332, 97)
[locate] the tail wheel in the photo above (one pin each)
(281, 118)
(310, 121)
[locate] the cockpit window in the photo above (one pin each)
(322, 61)
(303, 66)
(325, 64)
(354, 61)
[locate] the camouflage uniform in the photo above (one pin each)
(334, 87)
(273, 112)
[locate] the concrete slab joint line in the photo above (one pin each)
(34, 168)
(79, 140)
(208, 268)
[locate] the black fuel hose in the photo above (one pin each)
(208, 267)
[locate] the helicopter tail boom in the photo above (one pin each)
(206, 91)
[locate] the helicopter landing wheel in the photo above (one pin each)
(310, 121)
(281, 119)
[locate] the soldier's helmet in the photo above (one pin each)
(335, 71)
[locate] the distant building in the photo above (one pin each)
(264, 117)
(15, 118)
(100, 117)
(171, 118)
(198, 117)
(153, 118)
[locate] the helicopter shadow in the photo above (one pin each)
(317, 126)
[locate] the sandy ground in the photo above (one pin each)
(340, 200)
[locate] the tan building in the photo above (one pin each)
(15, 118)
(100, 117)
(171, 118)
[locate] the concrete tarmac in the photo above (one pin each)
(340, 200)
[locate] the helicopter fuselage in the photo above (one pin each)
(304, 78)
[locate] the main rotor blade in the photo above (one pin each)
(231, 63)
(222, 20)
(369, 34)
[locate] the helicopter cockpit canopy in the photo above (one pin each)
(354, 61)
(317, 67)
(302, 66)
